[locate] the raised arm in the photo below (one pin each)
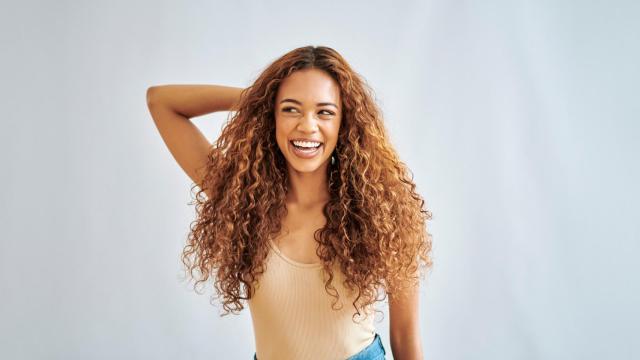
(172, 107)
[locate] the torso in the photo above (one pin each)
(292, 314)
(296, 239)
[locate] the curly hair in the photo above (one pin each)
(376, 221)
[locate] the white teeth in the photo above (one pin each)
(306, 144)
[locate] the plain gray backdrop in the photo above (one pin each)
(519, 120)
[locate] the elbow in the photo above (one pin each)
(155, 94)
(150, 94)
(407, 350)
(406, 345)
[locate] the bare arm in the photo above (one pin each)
(404, 325)
(195, 100)
(172, 106)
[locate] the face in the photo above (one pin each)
(307, 112)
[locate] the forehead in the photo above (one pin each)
(309, 85)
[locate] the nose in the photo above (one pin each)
(308, 123)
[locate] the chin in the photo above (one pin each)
(305, 168)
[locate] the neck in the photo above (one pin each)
(308, 188)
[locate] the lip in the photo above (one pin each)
(305, 155)
(303, 139)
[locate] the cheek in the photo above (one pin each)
(281, 135)
(278, 126)
(282, 125)
(334, 131)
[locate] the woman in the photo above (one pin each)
(304, 207)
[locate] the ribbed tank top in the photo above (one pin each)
(292, 315)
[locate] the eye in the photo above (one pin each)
(288, 108)
(329, 112)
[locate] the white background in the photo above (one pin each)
(519, 120)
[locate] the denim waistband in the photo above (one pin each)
(373, 351)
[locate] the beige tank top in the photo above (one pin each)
(292, 315)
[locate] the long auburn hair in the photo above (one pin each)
(376, 221)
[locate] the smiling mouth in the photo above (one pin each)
(305, 152)
(305, 148)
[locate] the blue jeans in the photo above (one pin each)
(373, 351)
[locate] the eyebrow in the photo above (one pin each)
(318, 104)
